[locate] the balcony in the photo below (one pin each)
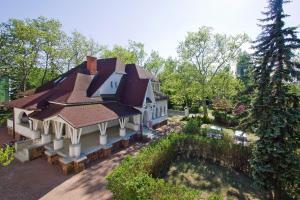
(26, 131)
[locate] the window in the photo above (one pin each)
(156, 112)
(160, 113)
(164, 110)
(153, 114)
(116, 84)
(111, 84)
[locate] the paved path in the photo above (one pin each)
(37, 179)
(4, 136)
(90, 183)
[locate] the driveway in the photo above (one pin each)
(39, 180)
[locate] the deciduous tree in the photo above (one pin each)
(209, 53)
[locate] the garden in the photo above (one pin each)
(185, 166)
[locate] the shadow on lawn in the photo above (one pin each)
(210, 178)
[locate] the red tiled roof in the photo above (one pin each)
(85, 115)
(77, 86)
(105, 67)
(144, 74)
(132, 88)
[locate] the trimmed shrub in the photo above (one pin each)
(139, 177)
(192, 126)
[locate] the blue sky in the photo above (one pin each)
(159, 24)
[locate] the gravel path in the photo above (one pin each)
(39, 180)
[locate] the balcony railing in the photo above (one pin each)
(24, 129)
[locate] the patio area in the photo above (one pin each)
(90, 142)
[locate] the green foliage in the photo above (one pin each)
(244, 68)
(138, 177)
(225, 118)
(34, 51)
(4, 115)
(192, 126)
(209, 53)
(215, 196)
(6, 155)
(276, 113)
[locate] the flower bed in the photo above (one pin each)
(139, 177)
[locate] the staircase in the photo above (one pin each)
(22, 149)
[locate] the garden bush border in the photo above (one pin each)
(138, 177)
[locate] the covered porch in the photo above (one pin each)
(90, 143)
(69, 135)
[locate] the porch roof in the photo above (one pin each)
(86, 115)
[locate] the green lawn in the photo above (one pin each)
(211, 179)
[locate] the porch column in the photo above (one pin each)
(58, 142)
(75, 146)
(103, 136)
(34, 124)
(122, 122)
(46, 137)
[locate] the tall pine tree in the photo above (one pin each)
(275, 111)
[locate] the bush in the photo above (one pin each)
(138, 177)
(6, 155)
(135, 178)
(192, 126)
(225, 118)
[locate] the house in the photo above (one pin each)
(86, 112)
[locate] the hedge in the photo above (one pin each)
(139, 177)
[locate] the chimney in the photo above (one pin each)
(91, 64)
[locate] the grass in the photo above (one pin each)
(212, 179)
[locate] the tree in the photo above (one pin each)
(154, 63)
(225, 85)
(275, 113)
(137, 48)
(244, 68)
(133, 53)
(209, 53)
(78, 47)
(125, 56)
(21, 43)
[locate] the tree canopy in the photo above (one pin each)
(275, 111)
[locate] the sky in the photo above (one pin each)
(159, 24)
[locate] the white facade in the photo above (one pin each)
(153, 112)
(110, 86)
